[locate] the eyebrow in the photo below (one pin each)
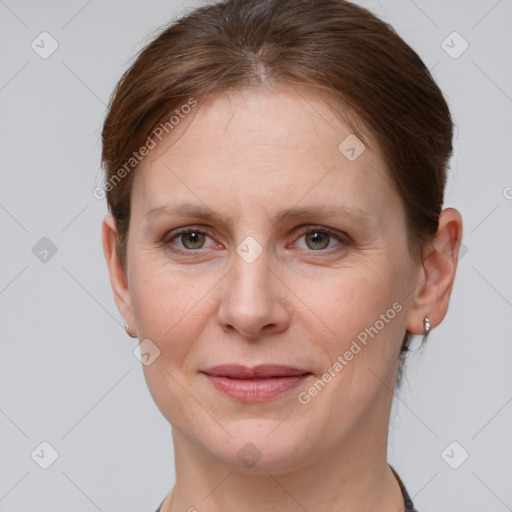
(205, 213)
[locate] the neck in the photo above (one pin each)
(353, 476)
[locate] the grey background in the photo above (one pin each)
(68, 375)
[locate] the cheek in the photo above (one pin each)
(367, 316)
(171, 308)
(353, 302)
(366, 312)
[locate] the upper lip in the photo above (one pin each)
(236, 371)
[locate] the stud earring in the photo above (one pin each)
(426, 329)
(128, 331)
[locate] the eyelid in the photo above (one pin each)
(173, 233)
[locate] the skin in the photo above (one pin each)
(246, 155)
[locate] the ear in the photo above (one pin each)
(118, 274)
(432, 296)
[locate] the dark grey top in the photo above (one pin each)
(409, 506)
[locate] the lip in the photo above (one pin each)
(237, 371)
(257, 383)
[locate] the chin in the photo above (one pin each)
(258, 447)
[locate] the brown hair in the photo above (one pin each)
(340, 48)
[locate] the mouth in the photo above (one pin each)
(255, 384)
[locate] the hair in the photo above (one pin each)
(372, 77)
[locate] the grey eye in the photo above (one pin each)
(193, 239)
(317, 240)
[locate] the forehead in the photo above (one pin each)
(256, 142)
(292, 117)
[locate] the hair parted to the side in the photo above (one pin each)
(373, 79)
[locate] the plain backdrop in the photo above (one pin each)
(68, 374)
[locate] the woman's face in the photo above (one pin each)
(300, 261)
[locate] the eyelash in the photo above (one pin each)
(343, 238)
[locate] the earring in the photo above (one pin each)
(127, 330)
(426, 329)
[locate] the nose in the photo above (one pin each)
(252, 303)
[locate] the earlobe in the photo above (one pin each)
(439, 266)
(118, 274)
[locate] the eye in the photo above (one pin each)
(317, 239)
(191, 239)
(320, 238)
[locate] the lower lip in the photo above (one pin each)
(256, 390)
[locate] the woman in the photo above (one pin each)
(275, 174)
